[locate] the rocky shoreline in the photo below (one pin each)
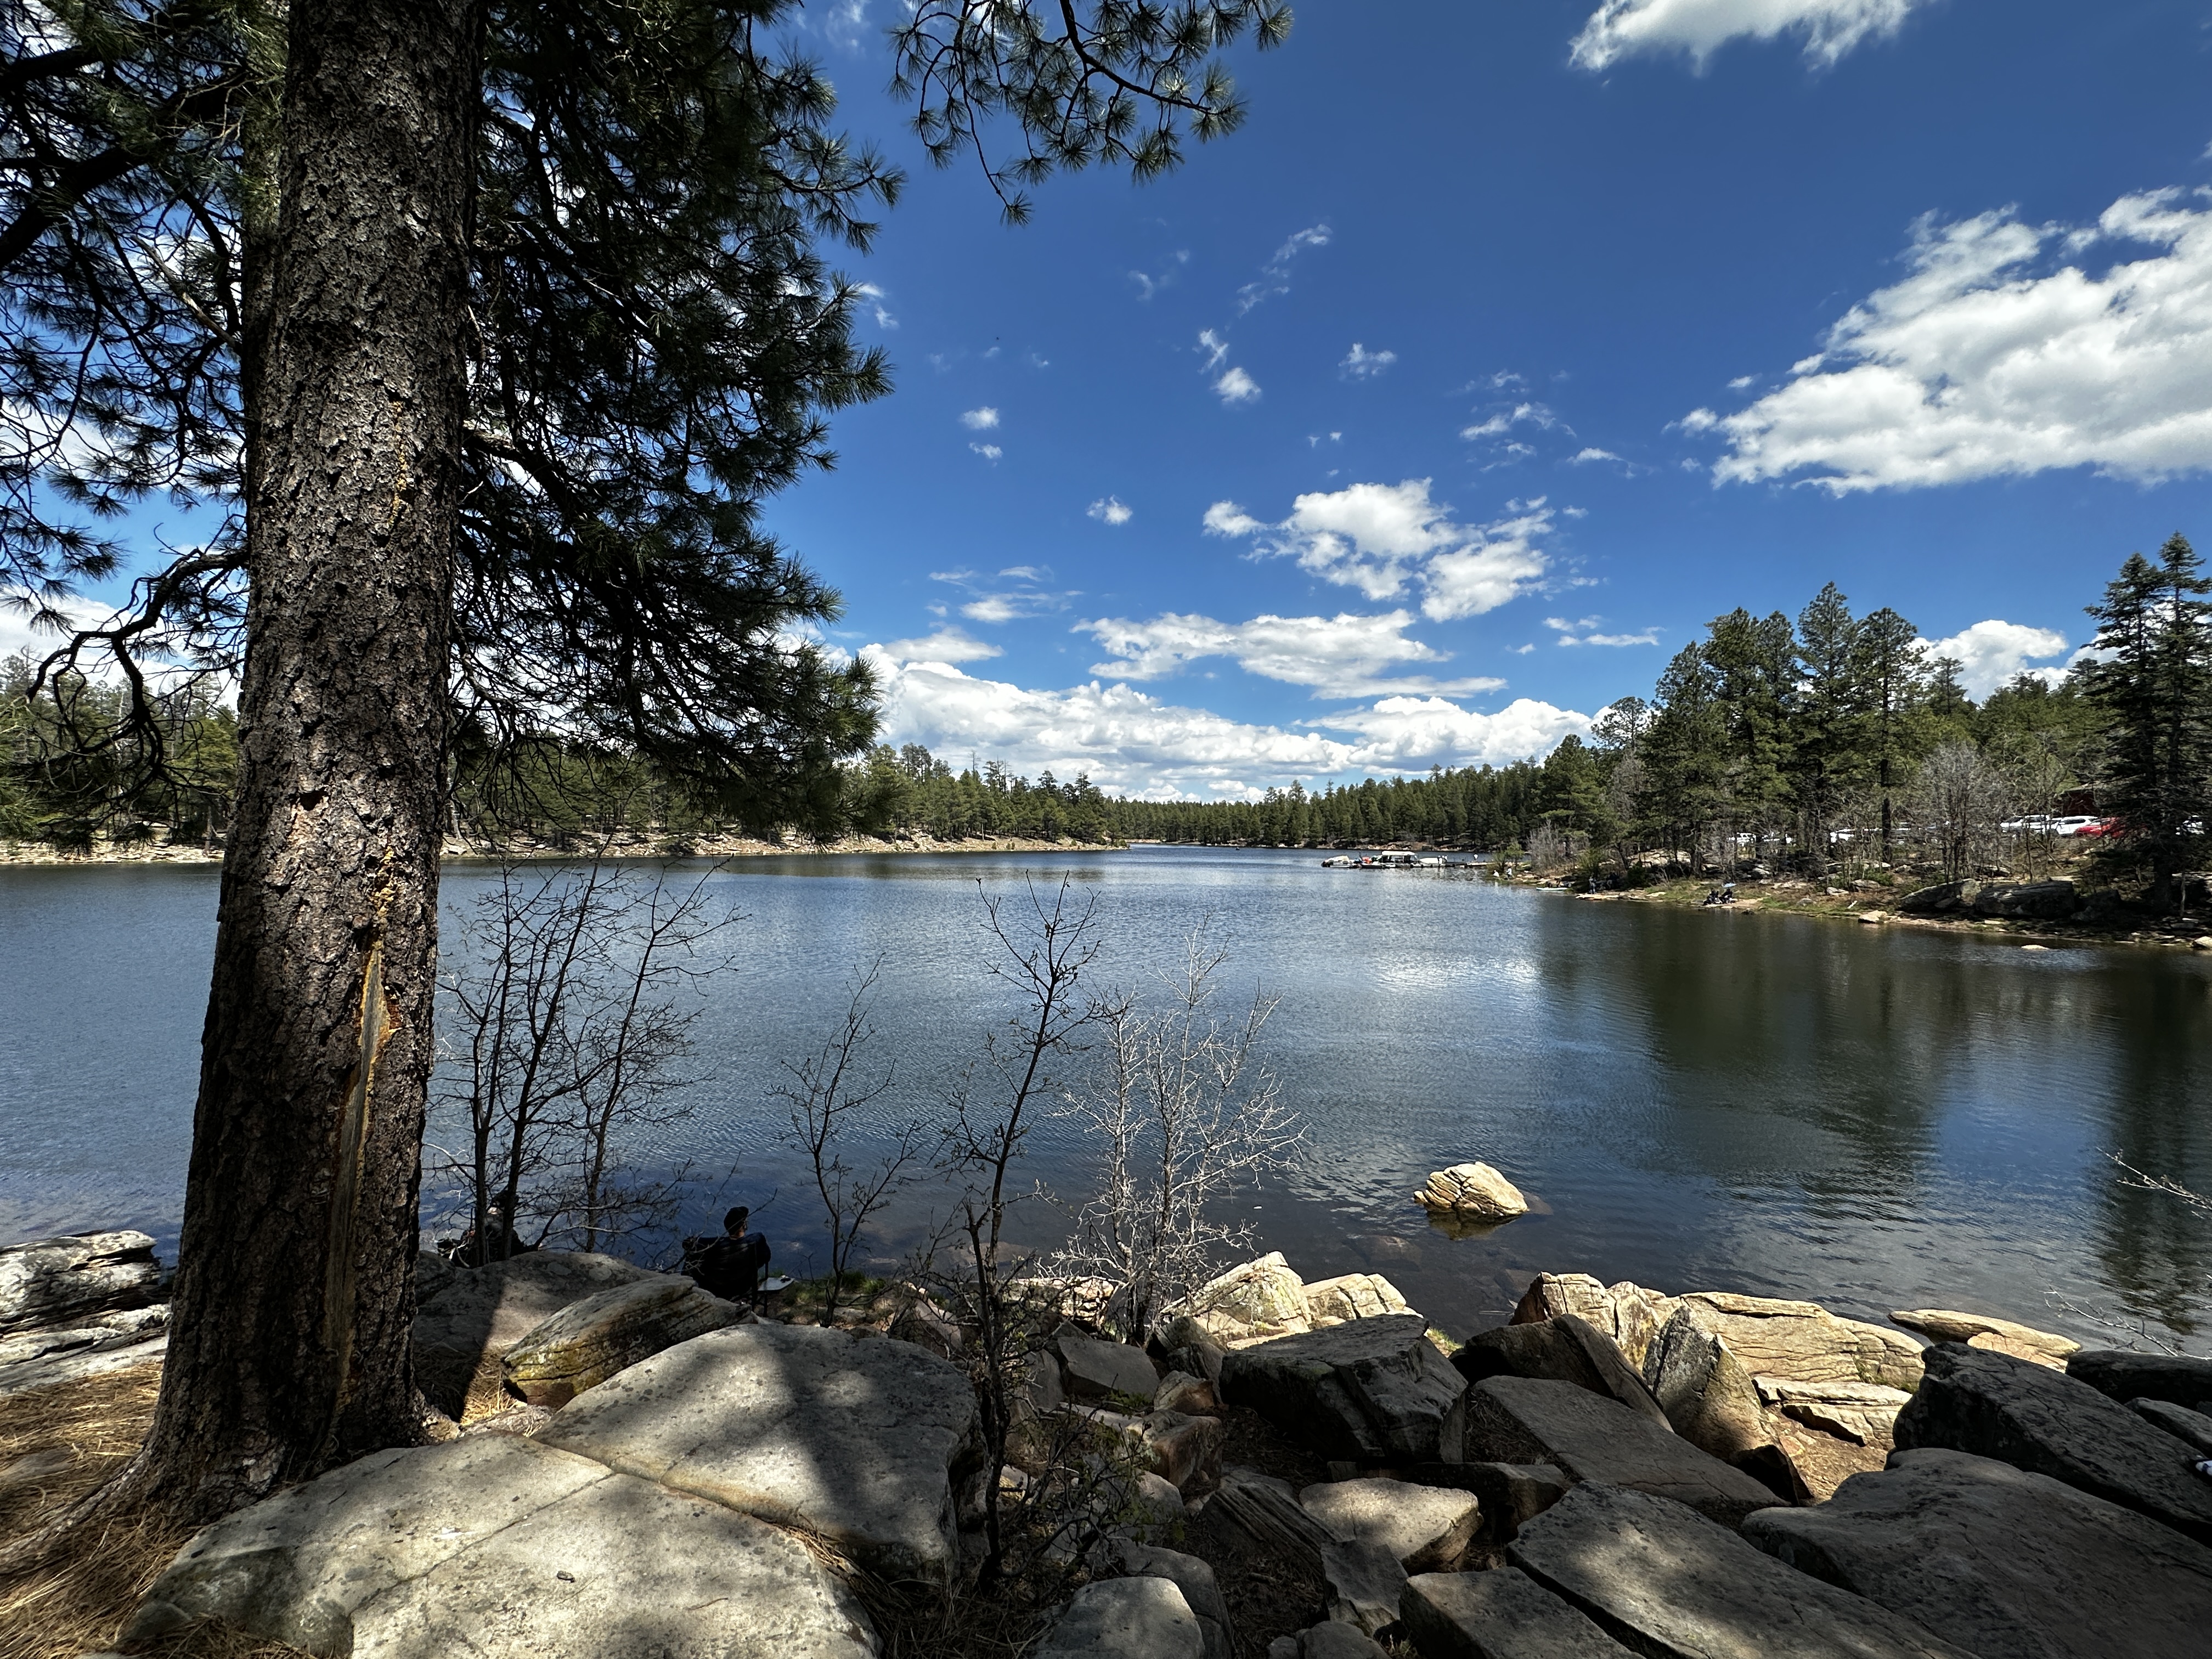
(460, 850)
(1288, 1469)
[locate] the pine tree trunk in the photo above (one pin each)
(295, 1282)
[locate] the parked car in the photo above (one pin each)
(2078, 826)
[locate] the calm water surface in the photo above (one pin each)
(1873, 1118)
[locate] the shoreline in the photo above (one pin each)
(458, 850)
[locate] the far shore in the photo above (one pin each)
(461, 850)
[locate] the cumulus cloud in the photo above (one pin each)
(1993, 653)
(1504, 421)
(1984, 363)
(1578, 633)
(1238, 387)
(947, 645)
(1131, 742)
(1109, 509)
(1342, 656)
(1624, 29)
(1361, 364)
(989, 451)
(981, 420)
(1584, 457)
(1382, 538)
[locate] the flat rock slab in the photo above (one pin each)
(1586, 1436)
(2009, 1565)
(1665, 1582)
(589, 1341)
(63, 1282)
(1332, 1640)
(2019, 1413)
(1806, 1343)
(1501, 1614)
(1428, 1529)
(2179, 1421)
(469, 1317)
(2184, 1381)
(1097, 1370)
(851, 1438)
(1565, 1348)
(1125, 1619)
(1365, 1584)
(1374, 1390)
(502, 1548)
(1950, 1325)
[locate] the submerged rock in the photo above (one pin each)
(2007, 1564)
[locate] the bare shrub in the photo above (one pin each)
(1184, 1112)
(1957, 802)
(1547, 848)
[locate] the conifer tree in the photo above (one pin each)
(1828, 736)
(2154, 683)
(1892, 673)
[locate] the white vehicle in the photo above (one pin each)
(2037, 824)
(2074, 826)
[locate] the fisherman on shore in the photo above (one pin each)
(729, 1266)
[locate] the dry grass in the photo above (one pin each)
(64, 1443)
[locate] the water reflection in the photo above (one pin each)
(1876, 1117)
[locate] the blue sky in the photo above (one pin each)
(1509, 343)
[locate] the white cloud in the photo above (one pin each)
(18, 634)
(1214, 347)
(989, 451)
(1275, 274)
(1379, 539)
(875, 296)
(1740, 382)
(1130, 742)
(1975, 365)
(947, 645)
(1110, 509)
(1623, 28)
(1029, 597)
(981, 420)
(1342, 656)
(1505, 420)
(1361, 364)
(1992, 653)
(1238, 387)
(1584, 457)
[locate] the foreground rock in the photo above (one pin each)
(1375, 1391)
(589, 1341)
(1512, 1494)
(855, 1438)
(1366, 1585)
(91, 1333)
(1426, 1529)
(1980, 1331)
(1125, 1619)
(1255, 1303)
(1352, 1295)
(1259, 1512)
(2179, 1421)
(1803, 1342)
(1705, 1391)
(1664, 1581)
(1564, 1349)
(1097, 1370)
(1472, 1191)
(2121, 1375)
(504, 1548)
(1864, 1413)
(2006, 1563)
(1512, 1419)
(1201, 1592)
(2019, 1412)
(1500, 1614)
(1627, 1312)
(468, 1318)
(70, 1280)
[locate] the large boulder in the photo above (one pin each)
(1664, 1581)
(1255, 1302)
(2019, 1412)
(1472, 1191)
(1562, 1349)
(503, 1548)
(1500, 1614)
(1706, 1394)
(1627, 1312)
(1201, 1591)
(2006, 1563)
(1375, 1391)
(1517, 1420)
(1426, 1528)
(1140, 1618)
(1982, 1331)
(2126, 1375)
(466, 1319)
(589, 1341)
(1804, 1342)
(1365, 1584)
(70, 1280)
(1942, 899)
(855, 1438)
(1095, 1369)
(2027, 900)
(1352, 1295)
(1864, 1413)
(2179, 1421)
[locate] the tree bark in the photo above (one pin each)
(295, 1285)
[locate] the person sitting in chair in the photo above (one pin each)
(728, 1266)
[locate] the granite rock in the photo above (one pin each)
(1426, 1528)
(1565, 1348)
(472, 1316)
(68, 1280)
(589, 1341)
(1255, 1302)
(1352, 1295)
(2123, 1376)
(1097, 1370)
(1500, 1614)
(1142, 1618)
(1375, 1391)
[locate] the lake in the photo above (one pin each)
(1873, 1118)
